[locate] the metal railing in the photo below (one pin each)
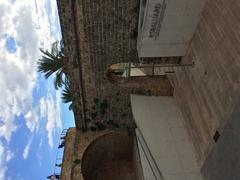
(59, 155)
(148, 155)
(130, 69)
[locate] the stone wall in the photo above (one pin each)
(207, 93)
(72, 58)
(75, 145)
(108, 157)
(97, 34)
(68, 154)
(92, 154)
(82, 142)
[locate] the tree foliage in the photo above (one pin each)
(67, 94)
(51, 64)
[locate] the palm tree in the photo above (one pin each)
(67, 94)
(52, 63)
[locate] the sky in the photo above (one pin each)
(31, 113)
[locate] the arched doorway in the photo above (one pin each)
(111, 156)
(141, 78)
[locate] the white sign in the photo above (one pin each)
(166, 27)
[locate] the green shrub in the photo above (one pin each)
(96, 100)
(77, 161)
(134, 34)
(100, 125)
(93, 128)
(103, 106)
(94, 115)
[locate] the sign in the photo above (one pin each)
(157, 18)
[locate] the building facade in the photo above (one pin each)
(166, 27)
(102, 44)
(97, 35)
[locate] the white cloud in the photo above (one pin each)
(53, 116)
(31, 120)
(3, 168)
(50, 109)
(26, 149)
(43, 107)
(5, 156)
(10, 155)
(29, 23)
(39, 158)
(41, 143)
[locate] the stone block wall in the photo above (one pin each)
(75, 145)
(93, 155)
(97, 34)
(72, 58)
(104, 29)
(68, 154)
(209, 92)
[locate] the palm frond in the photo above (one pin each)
(58, 82)
(70, 107)
(52, 63)
(67, 93)
(61, 46)
(55, 49)
(49, 66)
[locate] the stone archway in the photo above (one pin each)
(134, 76)
(111, 156)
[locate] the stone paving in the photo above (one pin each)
(224, 161)
(209, 92)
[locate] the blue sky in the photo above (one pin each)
(31, 113)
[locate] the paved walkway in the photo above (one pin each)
(223, 162)
(208, 93)
(161, 124)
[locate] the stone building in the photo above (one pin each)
(105, 154)
(196, 112)
(97, 35)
